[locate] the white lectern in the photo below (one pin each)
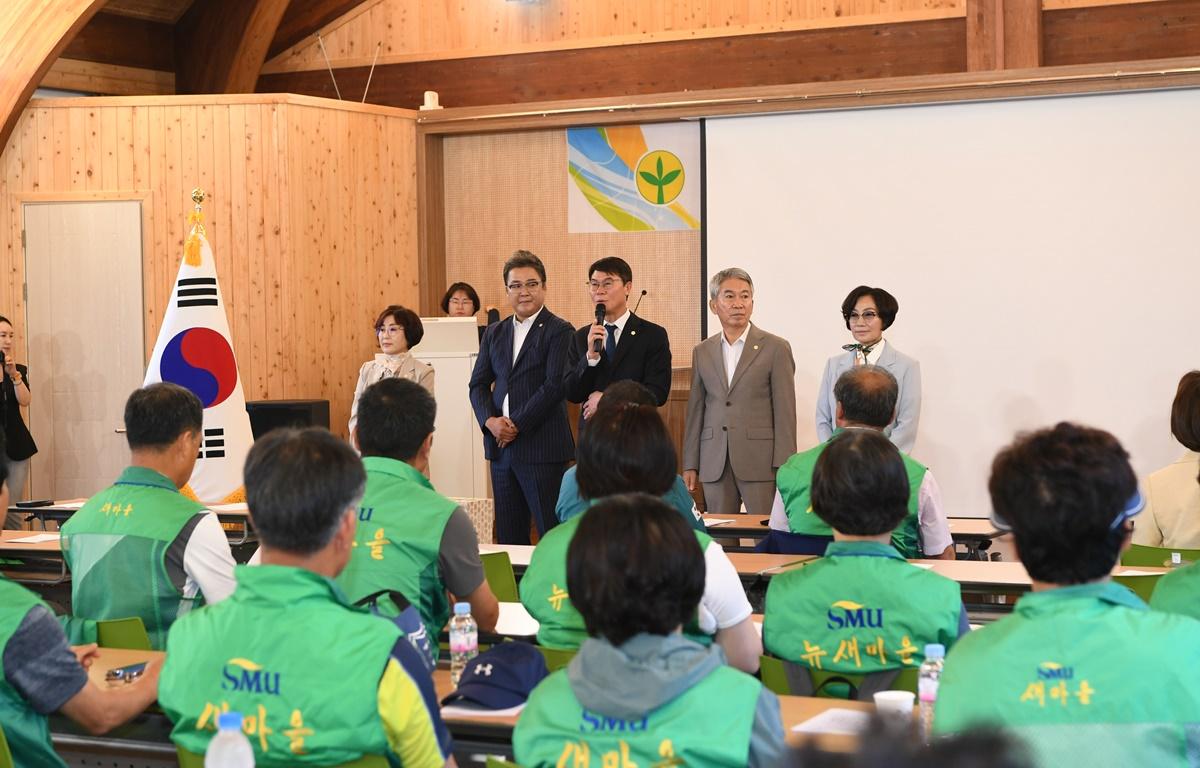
(457, 467)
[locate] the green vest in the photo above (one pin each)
(290, 653)
(1084, 674)
(710, 725)
(116, 547)
(859, 609)
(794, 481)
(26, 731)
(400, 524)
(544, 590)
(1178, 592)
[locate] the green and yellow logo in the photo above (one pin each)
(660, 177)
(557, 596)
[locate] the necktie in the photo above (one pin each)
(610, 343)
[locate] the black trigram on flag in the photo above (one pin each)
(197, 292)
(213, 445)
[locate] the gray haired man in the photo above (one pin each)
(741, 414)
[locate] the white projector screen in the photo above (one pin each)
(1043, 252)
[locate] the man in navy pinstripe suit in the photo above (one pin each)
(518, 397)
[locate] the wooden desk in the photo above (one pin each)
(757, 564)
(42, 562)
(111, 658)
(742, 527)
(972, 532)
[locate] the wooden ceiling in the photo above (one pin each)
(166, 11)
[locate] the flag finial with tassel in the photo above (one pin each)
(191, 248)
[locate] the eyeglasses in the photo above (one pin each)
(458, 301)
(529, 285)
(390, 330)
(607, 285)
(866, 317)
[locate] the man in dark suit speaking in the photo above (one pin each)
(517, 394)
(624, 346)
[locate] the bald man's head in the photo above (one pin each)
(867, 396)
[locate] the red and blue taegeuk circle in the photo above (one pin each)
(200, 360)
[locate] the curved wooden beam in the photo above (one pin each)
(34, 33)
(220, 45)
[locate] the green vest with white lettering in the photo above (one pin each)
(1084, 675)
(116, 546)
(1178, 592)
(400, 524)
(794, 481)
(290, 653)
(709, 725)
(26, 731)
(860, 609)
(544, 590)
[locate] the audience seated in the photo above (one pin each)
(639, 692)
(411, 538)
(141, 548)
(1082, 670)
(319, 681)
(1172, 516)
(862, 608)
(571, 503)
(866, 400)
(626, 448)
(43, 674)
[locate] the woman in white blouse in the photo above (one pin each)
(397, 330)
(1172, 514)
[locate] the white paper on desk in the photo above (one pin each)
(515, 621)
(469, 710)
(239, 507)
(710, 522)
(848, 722)
(1136, 572)
(926, 566)
(70, 505)
(38, 538)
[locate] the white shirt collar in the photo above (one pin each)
(529, 319)
(620, 321)
(739, 340)
(876, 351)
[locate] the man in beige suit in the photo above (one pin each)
(741, 414)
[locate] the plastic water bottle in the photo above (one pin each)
(928, 679)
(464, 640)
(229, 748)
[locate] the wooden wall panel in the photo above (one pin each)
(848, 53)
(312, 217)
(1125, 32)
(415, 30)
(508, 191)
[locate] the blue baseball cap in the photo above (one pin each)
(501, 677)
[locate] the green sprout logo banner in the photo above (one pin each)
(633, 178)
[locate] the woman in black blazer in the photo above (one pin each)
(14, 393)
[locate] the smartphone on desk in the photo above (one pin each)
(126, 674)
(34, 503)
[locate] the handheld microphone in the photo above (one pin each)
(598, 345)
(639, 301)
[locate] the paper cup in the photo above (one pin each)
(895, 708)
